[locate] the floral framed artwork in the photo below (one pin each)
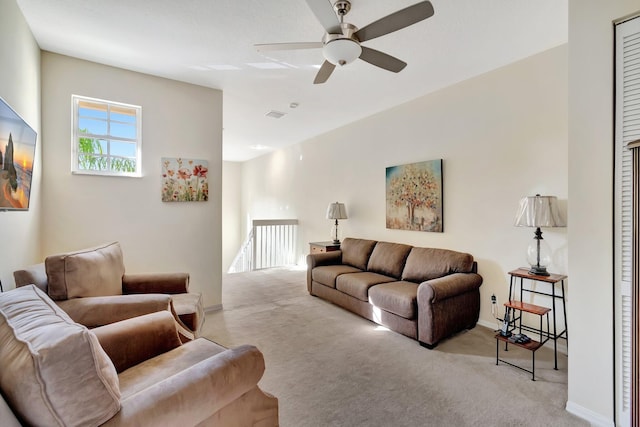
(414, 196)
(184, 180)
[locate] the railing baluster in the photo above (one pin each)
(270, 243)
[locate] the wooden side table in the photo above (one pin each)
(552, 279)
(321, 247)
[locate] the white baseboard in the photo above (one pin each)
(213, 308)
(593, 418)
(490, 325)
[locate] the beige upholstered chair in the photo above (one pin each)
(136, 372)
(91, 286)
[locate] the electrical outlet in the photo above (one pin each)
(493, 299)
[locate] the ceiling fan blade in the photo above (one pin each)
(325, 71)
(287, 46)
(396, 21)
(382, 60)
(323, 10)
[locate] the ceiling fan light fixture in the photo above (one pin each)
(341, 41)
(341, 51)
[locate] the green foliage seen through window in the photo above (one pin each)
(91, 156)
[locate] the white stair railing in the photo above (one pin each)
(270, 243)
(242, 261)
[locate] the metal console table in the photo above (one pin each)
(518, 308)
(552, 279)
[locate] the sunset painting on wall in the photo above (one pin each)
(17, 151)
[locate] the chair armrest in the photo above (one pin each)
(196, 393)
(7, 416)
(448, 286)
(33, 274)
(135, 340)
(99, 311)
(155, 283)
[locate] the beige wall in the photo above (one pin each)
(178, 120)
(232, 235)
(20, 88)
(502, 136)
(590, 217)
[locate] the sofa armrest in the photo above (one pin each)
(155, 283)
(323, 258)
(33, 274)
(135, 340)
(196, 393)
(447, 305)
(98, 311)
(448, 286)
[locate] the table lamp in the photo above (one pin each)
(539, 211)
(336, 211)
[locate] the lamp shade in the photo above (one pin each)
(336, 211)
(539, 211)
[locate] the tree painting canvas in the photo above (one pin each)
(184, 180)
(414, 196)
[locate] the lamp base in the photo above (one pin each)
(336, 241)
(539, 270)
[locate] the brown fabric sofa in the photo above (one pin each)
(424, 293)
(91, 286)
(136, 372)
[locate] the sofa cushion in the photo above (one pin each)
(327, 274)
(388, 258)
(53, 371)
(356, 252)
(93, 272)
(429, 263)
(357, 284)
(399, 298)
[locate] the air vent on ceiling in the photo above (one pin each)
(275, 114)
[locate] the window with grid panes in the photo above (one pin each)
(106, 137)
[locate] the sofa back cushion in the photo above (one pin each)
(53, 371)
(429, 263)
(94, 272)
(388, 258)
(356, 252)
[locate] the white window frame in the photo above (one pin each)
(76, 135)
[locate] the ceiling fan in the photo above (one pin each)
(341, 44)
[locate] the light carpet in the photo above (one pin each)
(329, 367)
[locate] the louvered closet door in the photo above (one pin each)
(627, 225)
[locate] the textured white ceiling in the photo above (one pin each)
(210, 43)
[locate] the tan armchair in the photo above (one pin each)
(135, 372)
(91, 286)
